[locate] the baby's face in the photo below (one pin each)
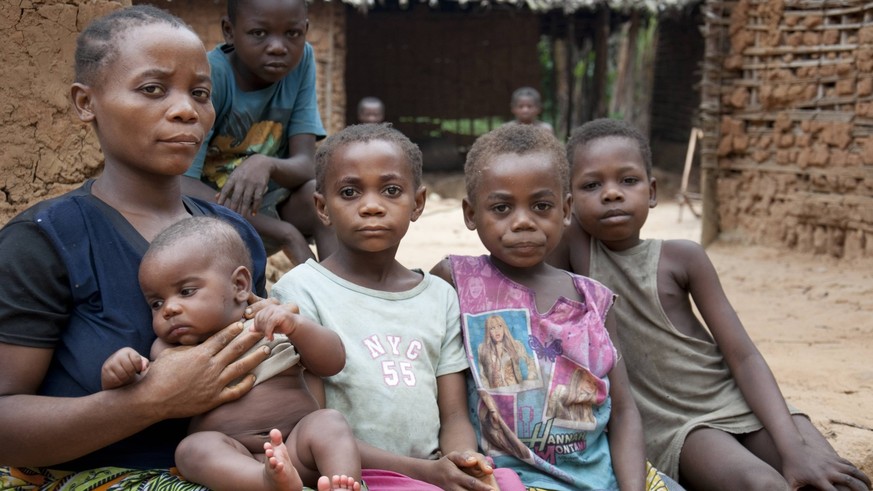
(519, 209)
(190, 295)
(612, 192)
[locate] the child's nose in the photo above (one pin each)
(522, 221)
(612, 193)
(277, 46)
(371, 205)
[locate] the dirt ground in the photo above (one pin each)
(809, 315)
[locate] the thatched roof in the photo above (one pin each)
(547, 5)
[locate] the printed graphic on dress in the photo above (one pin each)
(504, 361)
(574, 395)
(396, 356)
(499, 425)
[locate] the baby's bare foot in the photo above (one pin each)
(338, 482)
(279, 472)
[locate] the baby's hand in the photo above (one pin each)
(272, 317)
(122, 368)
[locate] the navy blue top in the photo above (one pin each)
(100, 253)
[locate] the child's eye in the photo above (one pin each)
(294, 34)
(156, 304)
(589, 186)
(257, 33)
(500, 208)
(347, 192)
(187, 291)
(393, 190)
(631, 180)
(542, 206)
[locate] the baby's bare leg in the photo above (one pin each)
(323, 444)
(219, 462)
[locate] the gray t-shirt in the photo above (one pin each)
(397, 344)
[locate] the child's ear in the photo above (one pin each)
(242, 283)
(321, 208)
(568, 209)
(653, 192)
(469, 214)
(420, 199)
(227, 30)
(82, 100)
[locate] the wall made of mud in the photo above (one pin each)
(44, 149)
(790, 121)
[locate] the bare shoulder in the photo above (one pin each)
(684, 260)
(683, 251)
(443, 269)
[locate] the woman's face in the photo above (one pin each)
(496, 328)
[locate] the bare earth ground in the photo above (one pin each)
(811, 316)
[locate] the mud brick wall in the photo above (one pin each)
(44, 149)
(788, 116)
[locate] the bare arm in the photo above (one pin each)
(803, 462)
(246, 184)
(625, 425)
(42, 431)
(321, 350)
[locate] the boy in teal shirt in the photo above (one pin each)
(258, 158)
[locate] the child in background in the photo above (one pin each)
(254, 443)
(518, 201)
(526, 105)
(257, 160)
(713, 414)
(403, 388)
(371, 110)
(69, 266)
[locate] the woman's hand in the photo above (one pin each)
(186, 381)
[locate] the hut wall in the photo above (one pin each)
(788, 111)
(327, 26)
(44, 149)
(675, 91)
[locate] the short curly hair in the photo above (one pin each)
(97, 45)
(519, 139)
(605, 128)
(362, 133)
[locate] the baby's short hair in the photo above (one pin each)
(362, 133)
(605, 128)
(97, 45)
(526, 92)
(227, 246)
(519, 139)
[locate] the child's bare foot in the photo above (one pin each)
(338, 482)
(279, 473)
